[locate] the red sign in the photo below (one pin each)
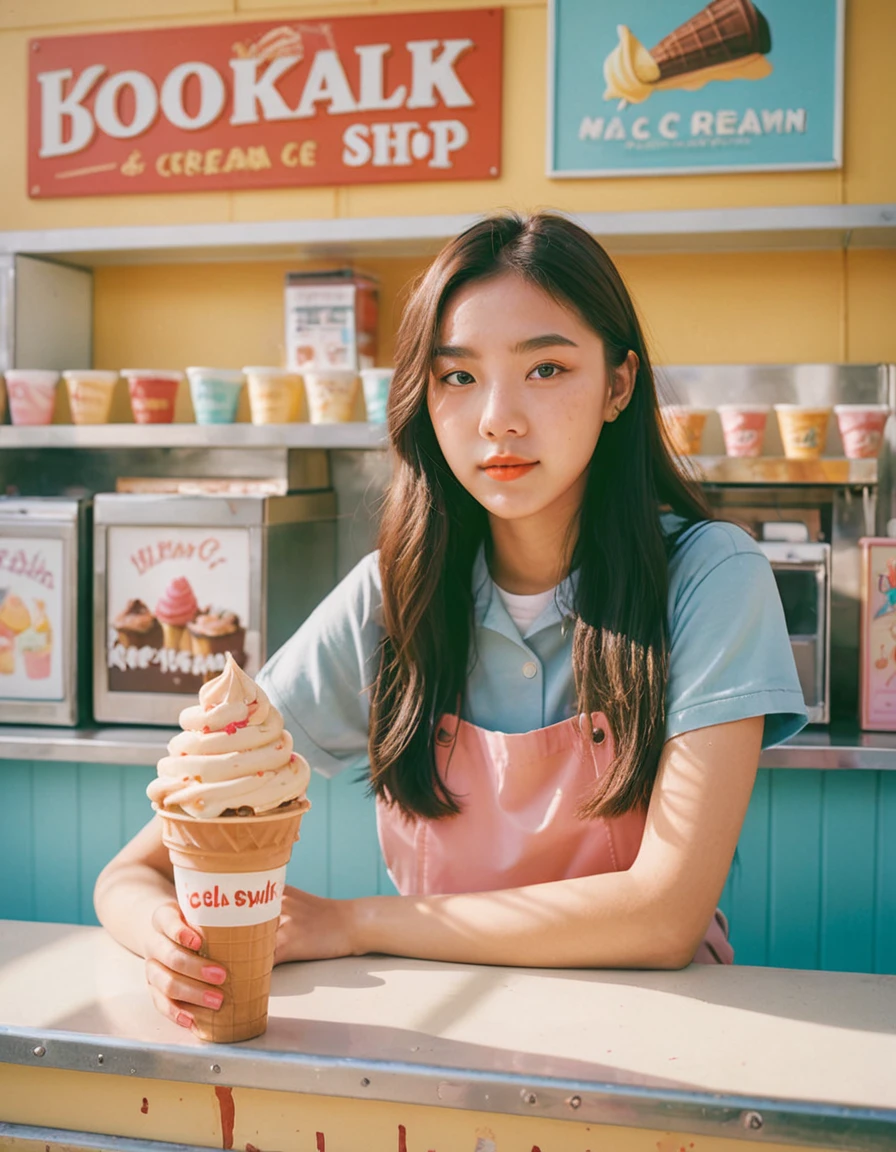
(354, 100)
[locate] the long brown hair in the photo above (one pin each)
(432, 529)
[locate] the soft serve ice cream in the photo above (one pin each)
(230, 798)
(233, 757)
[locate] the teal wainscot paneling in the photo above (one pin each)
(813, 884)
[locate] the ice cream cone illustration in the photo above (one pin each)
(36, 644)
(726, 40)
(174, 611)
(7, 655)
(14, 616)
(231, 797)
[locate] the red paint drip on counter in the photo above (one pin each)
(144, 1107)
(321, 1142)
(402, 1138)
(228, 1114)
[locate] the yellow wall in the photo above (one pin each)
(800, 306)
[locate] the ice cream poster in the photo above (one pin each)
(32, 635)
(877, 672)
(177, 601)
(650, 87)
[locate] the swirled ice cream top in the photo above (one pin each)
(630, 71)
(233, 754)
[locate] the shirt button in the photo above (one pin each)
(530, 669)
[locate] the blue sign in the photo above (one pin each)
(651, 87)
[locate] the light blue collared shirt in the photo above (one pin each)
(729, 654)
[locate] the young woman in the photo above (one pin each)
(557, 671)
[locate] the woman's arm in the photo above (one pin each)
(135, 902)
(652, 916)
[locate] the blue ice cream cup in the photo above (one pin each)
(215, 393)
(376, 383)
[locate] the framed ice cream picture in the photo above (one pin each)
(877, 641)
(664, 87)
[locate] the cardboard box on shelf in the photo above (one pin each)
(331, 319)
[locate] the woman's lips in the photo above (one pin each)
(507, 467)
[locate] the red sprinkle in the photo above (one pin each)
(231, 728)
(206, 729)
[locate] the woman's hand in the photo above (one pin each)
(177, 976)
(313, 928)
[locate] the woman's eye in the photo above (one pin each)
(458, 377)
(547, 371)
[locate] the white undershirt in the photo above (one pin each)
(525, 610)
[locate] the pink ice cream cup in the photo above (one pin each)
(153, 393)
(743, 428)
(32, 395)
(861, 428)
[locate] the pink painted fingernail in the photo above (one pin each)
(213, 999)
(213, 974)
(185, 1019)
(190, 939)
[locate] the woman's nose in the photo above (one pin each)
(502, 414)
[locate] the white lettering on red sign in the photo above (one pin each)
(229, 899)
(68, 126)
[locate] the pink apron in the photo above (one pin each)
(519, 825)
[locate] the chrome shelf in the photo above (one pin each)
(812, 226)
(841, 745)
(831, 471)
(119, 436)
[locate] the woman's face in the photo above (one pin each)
(518, 394)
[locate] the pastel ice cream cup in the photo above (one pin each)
(32, 395)
(376, 383)
(331, 394)
(215, 393)
(685, 424)
(275, 395)
(153, 394)
(90, 394)
(743, 428)
(861, 428)
(804, 429)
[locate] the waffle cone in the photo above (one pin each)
(235, 844)
(723, 31)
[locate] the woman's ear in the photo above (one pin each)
(623, 385)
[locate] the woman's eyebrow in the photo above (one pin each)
(550, 339)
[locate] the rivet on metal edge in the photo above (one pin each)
(365, 1083)
(100, 1058)
(528, 1097)
(575, 1101)
(216, 1068)
(751, 1120)
(39, 1050)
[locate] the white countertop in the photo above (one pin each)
(707, 1042)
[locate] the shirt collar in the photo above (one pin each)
(488, 607)
(489, 611)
